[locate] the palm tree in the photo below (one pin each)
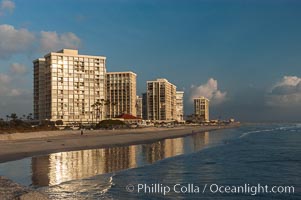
(93, 107)
(98, 110)
(106, 103)
(96, 106)
(7, 117)
(29, 116)
(113, 111)
(14, 116)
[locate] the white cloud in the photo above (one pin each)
(14, 41)
(285, 93)
(5, 86)
(288, 80)
(209, 90)
(6, 6)
(17, 68)
(51, 41)
(14, 92)
(9, 92)
(4, 78)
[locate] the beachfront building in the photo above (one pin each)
(121, 93)
(39, 89)
(201, 109)
(144, 106)
(67, 84)
(180, 106)
(129, 119)
(139, 107)
(161, 100)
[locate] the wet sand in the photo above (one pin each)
(20, 145)
(10, 190)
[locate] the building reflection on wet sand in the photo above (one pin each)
(60, 167)
(65, 166)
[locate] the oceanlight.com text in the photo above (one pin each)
(158, 188)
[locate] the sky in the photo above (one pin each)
(244, 55)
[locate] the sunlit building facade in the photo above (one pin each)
(67, 84)
(180, 106)
(121, 93)
(161, 100)
(139, 106)
(201, 109)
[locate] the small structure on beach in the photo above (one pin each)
(129, 119)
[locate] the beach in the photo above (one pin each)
(10, 190)
(20, 145)
(200, 157)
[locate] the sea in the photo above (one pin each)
(253, 161)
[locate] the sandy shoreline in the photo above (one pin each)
(10, 190)
(20, 145)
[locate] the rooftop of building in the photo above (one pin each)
(38, 59)
(180, 92)
(201, 97)
(161, 80)
(127, 116)
(126, 72)
(68, 51)
(72, 52)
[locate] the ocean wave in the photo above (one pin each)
(273, 161)
(282, 129)
(258, 131)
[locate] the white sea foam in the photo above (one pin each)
(258, 131)
(109, 186)
(283, 129)
(298, 125)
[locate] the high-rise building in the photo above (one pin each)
(67, 84)
(180, 106)
(161, 100)
(38, 89)
(144, 106)
(121, 93)
(201, 109)
(139, 107)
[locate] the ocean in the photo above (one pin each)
(256, 161)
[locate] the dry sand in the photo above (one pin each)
(19, 145)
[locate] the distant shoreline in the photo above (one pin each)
(21, 145)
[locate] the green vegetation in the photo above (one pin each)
(59, 122)
(14, 124)
(110, 124)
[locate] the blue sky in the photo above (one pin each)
(240, 54)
